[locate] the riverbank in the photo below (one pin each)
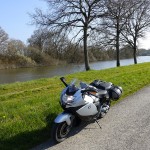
(26, 74)
(27, 109)
(19, 61)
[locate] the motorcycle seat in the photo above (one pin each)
(102, 92)
(101, 84)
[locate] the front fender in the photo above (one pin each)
(64, 117)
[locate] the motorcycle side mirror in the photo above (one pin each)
(63, 80)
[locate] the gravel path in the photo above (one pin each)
(125, 127)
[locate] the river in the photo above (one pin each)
(25, 74)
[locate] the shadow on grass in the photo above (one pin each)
(29, 139)
(33, 139)
(24, 140)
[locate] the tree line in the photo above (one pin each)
(47, 48)
(82, 30)
(107, 22)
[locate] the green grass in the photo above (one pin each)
(27, 109)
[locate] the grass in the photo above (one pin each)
(28, 109)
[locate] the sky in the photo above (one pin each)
(145, 42)
(14, 17)
(15, 20)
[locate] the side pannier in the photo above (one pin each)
(115, 92)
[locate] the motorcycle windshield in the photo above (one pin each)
(75, 85)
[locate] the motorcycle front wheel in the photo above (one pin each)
(60, 131)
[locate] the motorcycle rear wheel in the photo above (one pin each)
(60, 131)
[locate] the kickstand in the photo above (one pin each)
(98, 124)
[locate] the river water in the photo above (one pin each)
(25, 74)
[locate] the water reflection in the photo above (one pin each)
(25, 74)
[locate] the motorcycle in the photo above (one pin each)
(83, 102)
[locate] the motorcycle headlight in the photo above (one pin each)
(67, 99)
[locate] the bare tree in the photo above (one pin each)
(15, 47)
(37, 39)
(118, 13)
(137, 25)
(3, 41)
(48, 42)
(74, 17)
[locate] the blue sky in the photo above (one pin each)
(14, 19)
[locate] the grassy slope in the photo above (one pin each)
(27, 109)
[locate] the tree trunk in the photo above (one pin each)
(86, 58)
(117, 47)
(135, 51)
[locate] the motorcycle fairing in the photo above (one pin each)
(64, 117)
